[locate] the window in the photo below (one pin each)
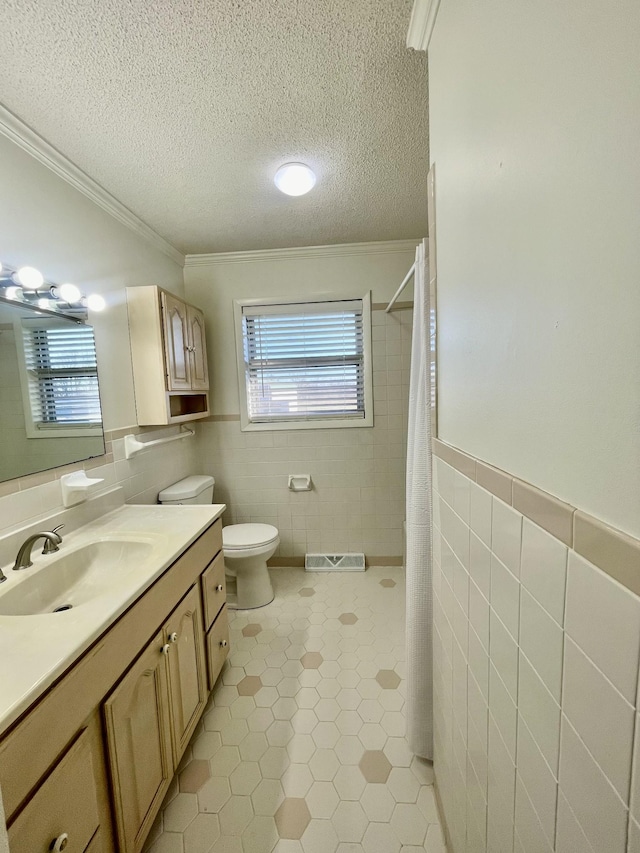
(304, 364)
(60, 376)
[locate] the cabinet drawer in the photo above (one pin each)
(65, 803)
(214, 592)
(215, 537)
(217, 646)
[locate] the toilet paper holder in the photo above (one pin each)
(300, 482)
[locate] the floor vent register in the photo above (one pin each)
(334, 563)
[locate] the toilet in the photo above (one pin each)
(246, 547)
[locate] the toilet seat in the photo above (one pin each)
(238, 537)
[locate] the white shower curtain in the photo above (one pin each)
(418, 509)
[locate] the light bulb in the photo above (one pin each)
(43, 303)
(95, 302)
(30, 278)
(294, 179)
(13, 292)
(69, 293)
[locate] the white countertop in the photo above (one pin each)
(36, 650)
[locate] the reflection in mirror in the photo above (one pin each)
(49, 400)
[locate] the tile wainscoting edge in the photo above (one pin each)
(614, 552)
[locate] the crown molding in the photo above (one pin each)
(302, 253)
(28, 140)
(423, 19)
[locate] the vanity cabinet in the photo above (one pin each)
(120, 718)
(169, 357)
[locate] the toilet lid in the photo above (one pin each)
(248, 535)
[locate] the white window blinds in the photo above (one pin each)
(62, 372)
(304, 361)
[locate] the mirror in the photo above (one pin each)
(49, 400)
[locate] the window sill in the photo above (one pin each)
(325, 423)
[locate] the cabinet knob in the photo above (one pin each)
(173, 637)
(223, 644)
(165, 649)
(58, 844)
(219, 588)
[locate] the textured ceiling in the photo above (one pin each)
(184, 109)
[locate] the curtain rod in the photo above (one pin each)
(405, 281)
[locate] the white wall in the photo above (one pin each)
(46, 223)
(358, 499)
(534, 129)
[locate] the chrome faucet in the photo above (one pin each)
(52, 541)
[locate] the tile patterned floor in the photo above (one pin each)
(302, 747)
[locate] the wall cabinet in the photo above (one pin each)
(124, 712)
(185, 345)
(169, 357)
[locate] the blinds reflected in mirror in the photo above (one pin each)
(60, 359)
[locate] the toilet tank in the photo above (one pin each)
(191, 490)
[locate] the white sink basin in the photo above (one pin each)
(72, 579)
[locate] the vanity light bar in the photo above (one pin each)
(27, 284)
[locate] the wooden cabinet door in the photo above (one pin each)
(139, 744)
(176, 343)
(187, 674)
(64, 808)
(198, 350)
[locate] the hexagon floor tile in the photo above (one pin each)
(302, 748)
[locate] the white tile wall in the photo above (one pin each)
(601, 716)
(544, 568)
(541, 641)
(357, 503)
(603, 618)
(601, 813)
(529, 835)
(141, 478)
(551, 647)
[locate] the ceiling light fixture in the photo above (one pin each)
(295, 179)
